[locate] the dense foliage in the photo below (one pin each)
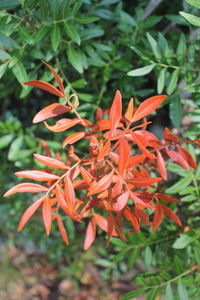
(99, 46)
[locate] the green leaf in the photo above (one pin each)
(191, 18)
(104, 13)
(4, 55)
(152, 295)
(147, 257)
(180, 185)
(175, 110)
(108, 2)
(75, 58)
(40, 34)
(118, 242)
(3, 68)
(91, 33)
(9, 4)
(25, 35)
(55, 37)
(76, 7)
(181, 49)
(5, 140)
(161, 81)
(197, 254)
(154, 46)
(15, 148)
(182, 241)
(195, 3)
(132, 257)
(120, 255)
(20, 72)
(141, 71)
(169, 292)
(182, 292)
(173, 82)
(72, 33)
(131, 295)
(178, 169)
(7, 42)
(86, 20)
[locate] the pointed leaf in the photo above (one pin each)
(57, 78)
(71, 139)
(26, 188)
(86, 176)
(141, 71)
(69, 194)
(178, 158)
(188, 157)
(50, 111)
(90, 234)
(50, 162)
(168, 212)
(144, 181)
(158, 216)
(63, 124)
(130, 109)
(103, 223)
(148, 106)
(115, 112)
(161, 165)
(190, 18)
(45, 86)
(62, 230)
(121, 202)
(104, 151)
(142, 143)
(29, 212)
(135, 160)
(61, 199)
(37, 175)
(102, 184)
(166, 198)
(124, 154)
(46, 214)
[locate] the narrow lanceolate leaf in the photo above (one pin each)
(104, 151)
(26, 188)
(69, 193)
(115, 112)
(178, 158)
(45, 86)
(121, 202)
(170, 214)
(73, 138)
(161, 165)
(124, 154)
(130, 109)
(29, 212)
(166, 198)
(188, 157)
(169, 295)
(141, 71)
(50, 162)
(37, 175)
(90, 234)
(190, 18)
(61, 198)
(62, 230)
(135, 160)
(173, 82)
(161, 81)
(104, 125)
(182, 292)
(57, 78)
(63, 124)
(158, 216)
(86, 176)
(102, 184)
(141, 142)
(50, 111)
(103, 223)
(46, 214)
(148, 106)
(144, 181)
(55, 37)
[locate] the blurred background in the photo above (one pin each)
(143, 48)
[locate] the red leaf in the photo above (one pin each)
(139, 202)
(62, 230)
(144, 181)
(115, 112)
(86, 176)
(121, 202)
(26, 188)
(46, 214)
(50, 162)
(62, 124)
(168, 212)
(141, 215)
(178, 158)
(61, 199)
(135, 160)
(169, 137)
(124, 154)
(148, 106)
(29, 212)
(104, 125)
(102, 184)
(188, 157)
(50, 111)
(98, 114)
(57, 78)
(103, 223)
(158, 216)
(165, 198)
(45, 86)
(161, 165)
(151, 139)
(130, 109)
(90, 234)
(142, 143)
(69, 194)
(71, 139)
(37, 175)
(132, 218)
(104, 151)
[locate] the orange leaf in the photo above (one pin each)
(132, 218)
(46, 214)
(148, 106)
(188, 157)
(166, 198)
(37, 175)
(130, 109)
(158, 216)
(168, 212)
(141, 215)
(178, 158)
(86, 176)
(90, 234)
(141, 142)
(50, 162)
(61, 199)
(104, 151)
(29, 212)
(57, 78)
(69, 194)
(115, 112)
(74, 137)
(50, 111)
(135, 160)
(161, 165)
(104, 125)
(121, 202)
(98, 114)
(170, 137)
(45, 86)
(62, 230)
(26, 188)
(62, 124)
(102, 184)
(151, 139)
(103, 223)
(124, 153)
(144, 181)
